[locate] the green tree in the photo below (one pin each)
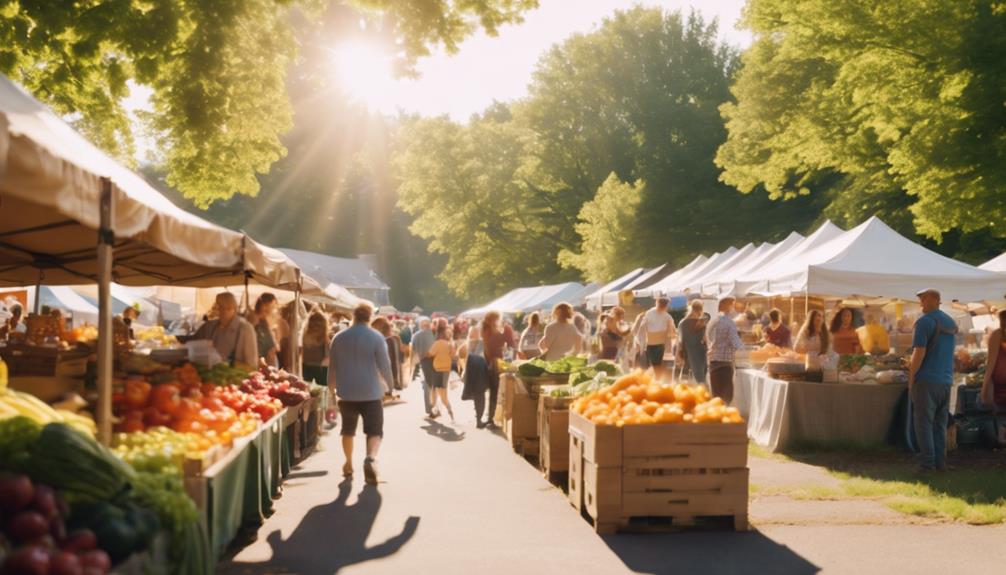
(898, 105)
(608, 227)
(469, 192)
(217, 68)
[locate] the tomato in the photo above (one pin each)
(166, 398)
(154, 417)
(212, 403)
(208, 389)
(137, 394)
(132, 425)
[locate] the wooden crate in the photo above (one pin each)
(553, 433)
(520, 417)
(665, 475)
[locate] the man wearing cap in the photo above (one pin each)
(724, 341)
(931, 378)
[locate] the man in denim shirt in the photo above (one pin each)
(931, 378)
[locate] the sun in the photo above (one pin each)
(364, 71)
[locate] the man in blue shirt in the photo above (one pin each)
(360, 374)
(930, 379)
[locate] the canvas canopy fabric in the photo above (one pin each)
(874, 261)
(996, 264)
(570, 293)
(726, 284)
(755, 280)
(691, 266)
(525, 299)
(350, 273)
(641, 281)
(594, 300)
(50, 192)
(693, 285)
(675, 283)
(63, 298)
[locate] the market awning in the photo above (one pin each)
(874, 261)
(596, 299)
(996, 264)
(50, 198)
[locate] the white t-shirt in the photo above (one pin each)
(657, 321)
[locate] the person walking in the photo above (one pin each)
(660, 331)
(560, 337)
(383, 327)
(495, 340)
(994, 386)
(724, 341)
(443, 354)
(530, 337)
(360, 375)
(316, 342)
(422, 341)
(693, 340)
(930, 379)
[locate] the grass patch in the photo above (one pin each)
(755, 450)
(974, 493)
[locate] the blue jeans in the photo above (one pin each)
(426, 366)
(931, 411)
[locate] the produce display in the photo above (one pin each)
(970, 361)
(872, 369)
(223, 374)
(539, 367)
(155, 336)
(14, 403)
(277, 383)
(111, 510)
(636, 399)
(35, 539)
(589, 372)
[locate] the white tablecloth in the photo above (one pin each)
(781, 413)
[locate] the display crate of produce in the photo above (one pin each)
(520, 417)
(553, 434)
(660, 475)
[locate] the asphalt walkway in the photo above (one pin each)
(455, 499)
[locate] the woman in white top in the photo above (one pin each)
(529, 338)
(813, 340)
(561, 336)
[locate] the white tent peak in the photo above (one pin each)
(996, 264)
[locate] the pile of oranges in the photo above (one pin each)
(636, 399)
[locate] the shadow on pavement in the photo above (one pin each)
(441, 431)
(331, 536)
(707, 552)
(305, 474)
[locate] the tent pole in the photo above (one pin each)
(106, 240)
(38, 292)
(295, 329)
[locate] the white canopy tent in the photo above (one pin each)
(70, 214)
(64, 298)
(693, 285)
(595, 300)
(873, 261)
(996, 264)
(546, 299)
(641, 281)
(754, 281)
(688, 268)
(526, 299)
(675, 283)
(726, 283)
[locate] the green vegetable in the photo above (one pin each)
(606, 366)
(78, 465)
(116, 535)
(533, 368)
(17, 435)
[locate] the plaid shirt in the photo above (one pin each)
(723, 339)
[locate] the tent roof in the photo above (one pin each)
(699, 261)
(693, 284)
(552, 295)
(351, 273)
(872, 260)
(51, 177)
(647, 278)
(996, 264)
(527, 299)
(594, 299)
(724, 282)
(754, 280)
(675, 282)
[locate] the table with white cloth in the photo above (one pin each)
(781, 413)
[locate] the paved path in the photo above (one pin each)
(455, 499)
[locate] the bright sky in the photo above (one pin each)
(500, 68)
(486, 68)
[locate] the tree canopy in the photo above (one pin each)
(217, 69)
(635, 101)
(893, 108)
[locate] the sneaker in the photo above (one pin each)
(347, 469)
(370, 471)
(481, 424)
(491, 425)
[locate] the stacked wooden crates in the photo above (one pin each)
(520, 416)
(658, 475)
(553, 435)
